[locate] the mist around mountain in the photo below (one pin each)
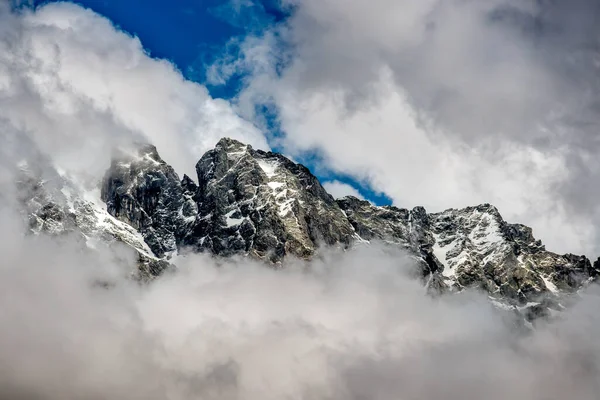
(262, 205)
(145, 285)
(154, 248)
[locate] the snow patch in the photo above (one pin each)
(232, 221)
(441, 253)
(275, 185)
(105, 222)
(549, 285)
(268, 167)
(285, 207)
(487, 231)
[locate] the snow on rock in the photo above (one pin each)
(262, 204)
(278, 206)
(268, 167)
(230, 221)
(474, 247)
(62, 205)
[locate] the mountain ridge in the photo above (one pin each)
(263, 205)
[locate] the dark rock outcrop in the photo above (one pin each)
(263, 204)
(246, 202)
(55, 205)
(143, 191)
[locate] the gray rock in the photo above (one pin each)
(143, 191)
(408, 229)
(263, 204)
(55, 205)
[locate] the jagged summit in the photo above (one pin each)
(261, 204)
(145, 192)
(56, 204)
(246, 201)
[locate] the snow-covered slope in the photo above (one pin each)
(477, 247)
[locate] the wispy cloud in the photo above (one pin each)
(339, 189)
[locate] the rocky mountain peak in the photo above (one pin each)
(261, 204)
(145, 192)
(149, 152)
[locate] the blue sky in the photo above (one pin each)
(192, 34)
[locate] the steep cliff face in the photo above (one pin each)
(261, 204)
(477, 247)
(54, 204)
(146, 193)
(246, 201)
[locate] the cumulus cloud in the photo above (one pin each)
(442, 103)
(79, 86)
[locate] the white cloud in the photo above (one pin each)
(414, 163)
(339, 189)
(441, 104)
(78, 86)
(353, 325)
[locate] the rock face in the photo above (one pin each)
(246, 201)
(261, 204)
(143, 191)
(475, 247)
(478, 248)
(55, 205)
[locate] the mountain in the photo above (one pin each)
(54, 204)
(263, 205)
(246, 201)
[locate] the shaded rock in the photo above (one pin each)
(145, 192)
(263, 204)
